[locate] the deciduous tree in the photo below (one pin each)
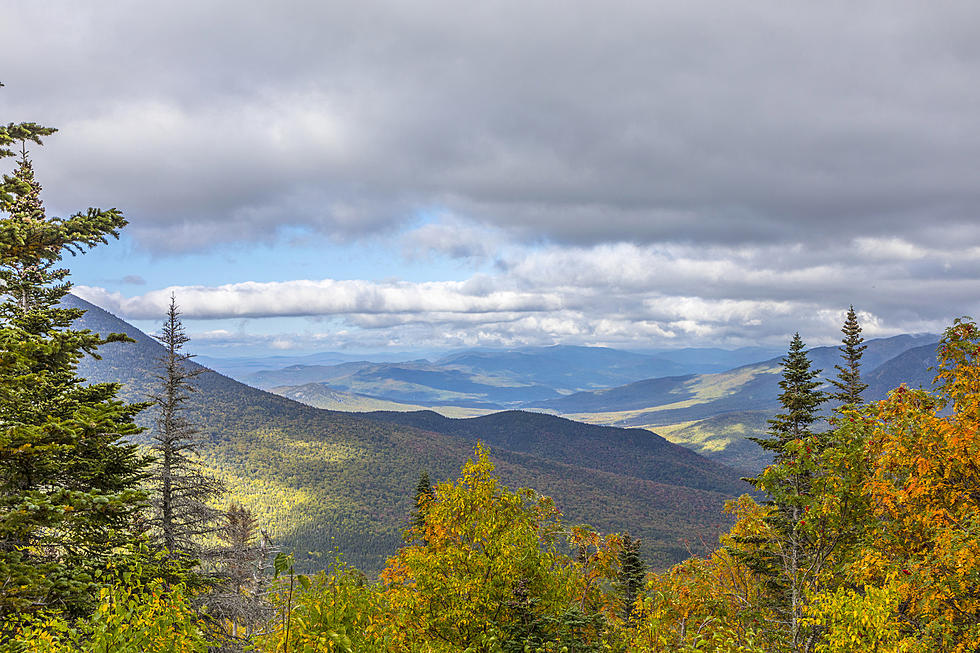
(924, 487)
(493, 574)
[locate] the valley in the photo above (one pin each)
(320, 479)
(712, 412)
(324, 467)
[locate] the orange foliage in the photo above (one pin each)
(924, 485)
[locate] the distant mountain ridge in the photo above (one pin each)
(498, 378)
(715, 413)
(319, 479)
(712, 413)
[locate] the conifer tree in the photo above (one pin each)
(423, 495)
(848, 381)
(800, 401)
(632, 572)
(69, 483)
(182, 492)
(790, 556)
(237, 603)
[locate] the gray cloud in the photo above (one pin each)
(697, 122)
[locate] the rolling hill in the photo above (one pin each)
(634, 452)
(318, 479)
(495, 379)
(321, 395)
(714, 413)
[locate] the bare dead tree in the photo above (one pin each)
(237, 604)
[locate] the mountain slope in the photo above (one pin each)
(913, 368)
(634, 452)
(714, 413)
(416, 382)
(319, 479)
(321, 395)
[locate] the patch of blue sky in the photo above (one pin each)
(127, 267)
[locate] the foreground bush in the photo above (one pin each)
(126, 620)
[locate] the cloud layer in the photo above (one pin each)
(615, 121)
(610, 172)
(619, 295)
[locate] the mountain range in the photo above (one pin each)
(713, 412)
(319, 479)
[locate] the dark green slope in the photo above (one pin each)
(319, 478)
(914, 368)
(634, 452)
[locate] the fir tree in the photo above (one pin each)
(848, 381)
(790, 557)
(69, 483)
(632, 572)
(182, 492)
(800, 401)
(423, 495)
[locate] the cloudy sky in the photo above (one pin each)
(356, 176)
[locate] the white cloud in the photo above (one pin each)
(326, 297)
(454, 238)
(618, 295)
(890, 249)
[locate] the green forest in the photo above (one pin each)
(862, 535)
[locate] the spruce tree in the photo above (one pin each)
(69, 482)
(632, 572)
(800, 401)
(183, 493)
(848, 381)
(423, 495)
(791, 555)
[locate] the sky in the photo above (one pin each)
(371, 176)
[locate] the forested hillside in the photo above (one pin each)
(318, 478)
(633, 452)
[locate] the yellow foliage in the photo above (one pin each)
(865, 620)
(491, 564)
(705, 604)
(126, 620)
(924, 485)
